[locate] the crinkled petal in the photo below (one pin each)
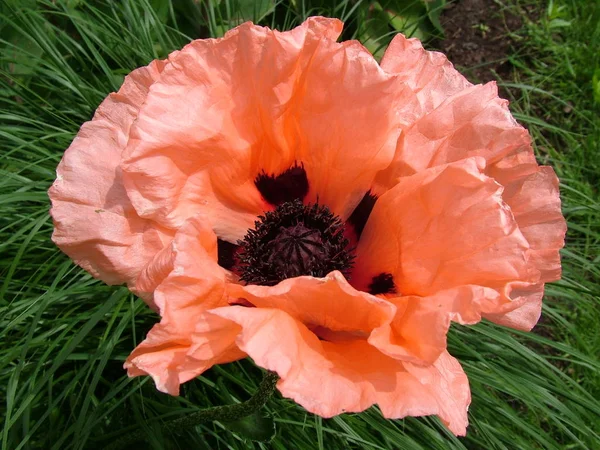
(215, 121)
(95, 222)
(534, 200)
(448, 228)
(258, 101)
(468, 303)
(195, 279)
(330, 378)
(472, 122)
(326, 303)
(343, 123)
(523, 308)
(442, 228)
(172, 357)
(455, 122)
(533, 196)
(448, 382)
(417, 334)
(428, 74)
(187, 282)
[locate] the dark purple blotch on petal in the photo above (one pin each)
(226, 254)
(382, 284)
(286, 187)
(360, 215)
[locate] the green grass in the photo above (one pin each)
(65, 335)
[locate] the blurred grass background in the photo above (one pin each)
(64, 335)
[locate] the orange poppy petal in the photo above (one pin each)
(187, 282)
(446, 228)
(485, 266)
(343, 123)
(516, 305)
(186, 277)
(534, 199)
(472, 122)
(523, 309)
(533, 196)
(214, 121)
(442, 228)
(455, 120)
(429, 74)
(172, 357)
(329, 378)
(328, 303)
(449, 384)
(257, 101)
(95, 223)
(418, 332)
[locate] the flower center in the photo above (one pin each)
(291, 241)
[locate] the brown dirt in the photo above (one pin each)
(477, 38)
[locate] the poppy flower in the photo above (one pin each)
(283, 196)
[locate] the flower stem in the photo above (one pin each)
(221, 413)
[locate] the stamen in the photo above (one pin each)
(361, 213)
(301, 249)
(291, 241)
(289, 186)
(382, 284)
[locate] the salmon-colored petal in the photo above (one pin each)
(524, 308)
(428, 74)
(194, 278)
(155, 272)
(259, 101)
(449, 384)
(327, 304)
(187, 281)
(172, 358)
(442, 228)
(330, 378)
(471, 122)
(95, 222)
(447, 233)
(533, 196)
(469, 303)
(343, 123)
(215, 121)
(516, 304)
(417, 334)
(534, 200)
(455, 120)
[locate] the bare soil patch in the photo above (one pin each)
(478, 38)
